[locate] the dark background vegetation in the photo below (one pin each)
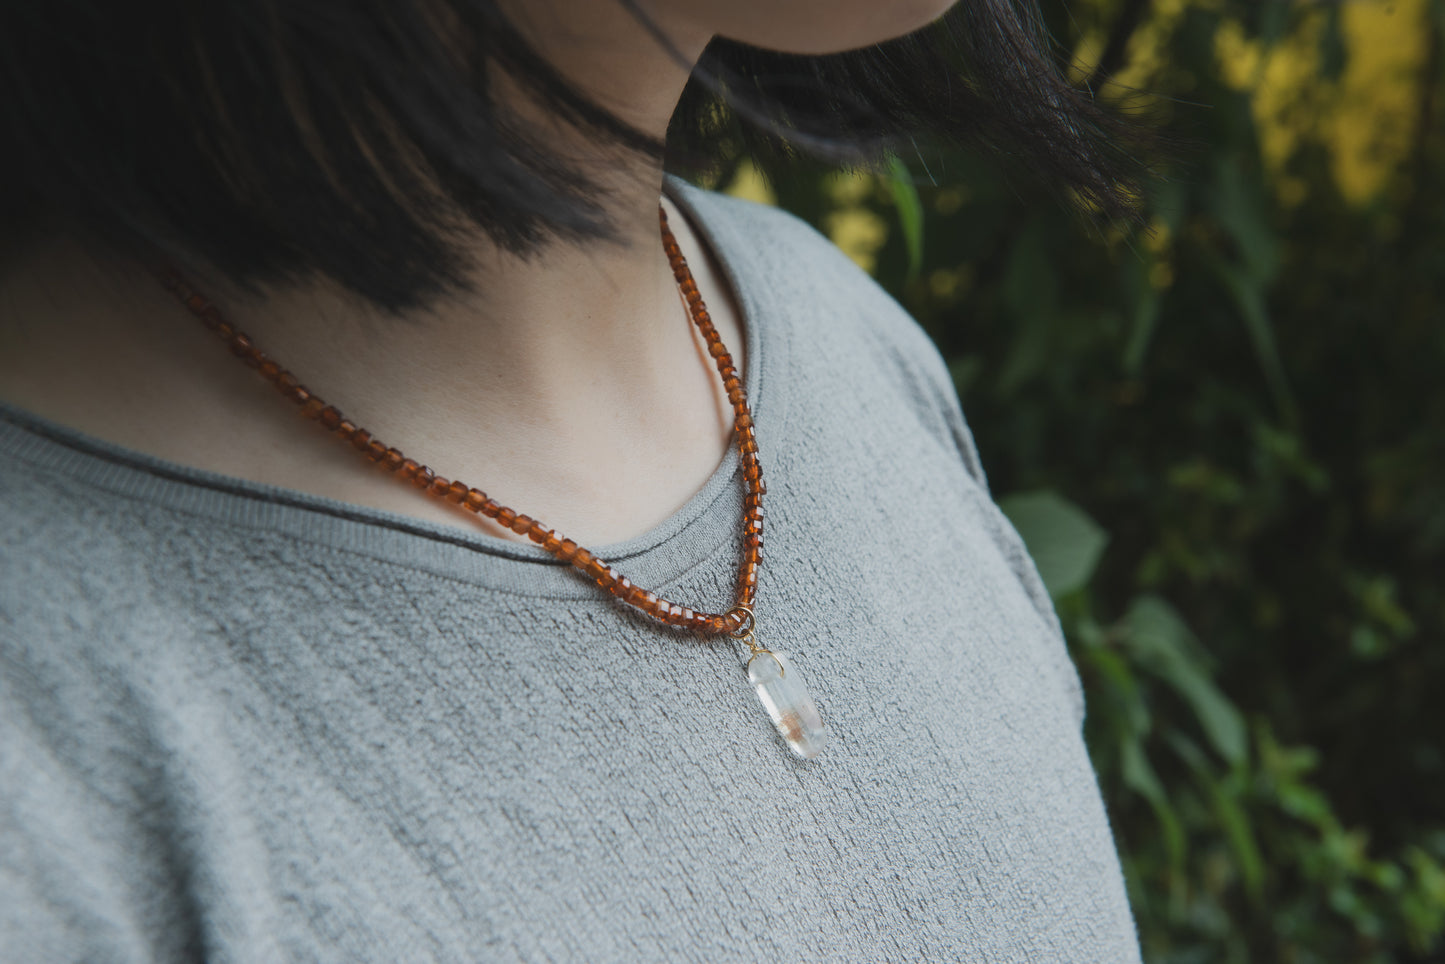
(1223, 436)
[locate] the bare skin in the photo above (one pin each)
(571, 386)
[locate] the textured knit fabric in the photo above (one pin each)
(245, 724)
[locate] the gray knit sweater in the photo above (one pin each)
(247, 724)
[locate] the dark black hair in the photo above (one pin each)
(982, 75)
(359, 139)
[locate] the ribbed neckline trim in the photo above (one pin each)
(655, 558)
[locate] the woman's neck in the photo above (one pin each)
(568, 384)
(576, 392)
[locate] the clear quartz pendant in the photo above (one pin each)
(780, 688)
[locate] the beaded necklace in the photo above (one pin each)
(777, 682)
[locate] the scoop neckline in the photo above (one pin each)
(655, 557)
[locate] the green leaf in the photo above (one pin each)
(1248, 297)
(1065, 543)
(1030, 284)
(1229, 812)
(910, 213)
(1288, 450)
(1238, 830)
(1142, 311)
(1273, 20)
(1334, 52)
(1164, 646)
(1140, 777)
(1238, 204)
(1118, 684)
(1169, 200)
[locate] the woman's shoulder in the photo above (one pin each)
(777, 259)
(812, 304)
(747, 234)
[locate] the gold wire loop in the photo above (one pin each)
(744, 635)
(751, 642)
(782, 670)
(745, 628)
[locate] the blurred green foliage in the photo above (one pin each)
(1222, 435)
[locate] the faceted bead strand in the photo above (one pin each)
(476, 501)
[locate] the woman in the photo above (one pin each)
(263, 701)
